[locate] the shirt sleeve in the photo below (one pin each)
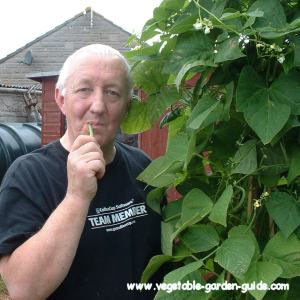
(21, 211)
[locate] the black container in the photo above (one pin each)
(17, 139)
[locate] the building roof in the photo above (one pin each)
(21, 87)
(88, 9)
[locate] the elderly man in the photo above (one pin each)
(73, 219)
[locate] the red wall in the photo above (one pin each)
(53, 119)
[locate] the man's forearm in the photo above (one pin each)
(37, 267)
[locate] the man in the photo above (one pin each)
(73, 219)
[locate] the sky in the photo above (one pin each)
(23, 21)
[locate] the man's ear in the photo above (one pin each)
(60, 100)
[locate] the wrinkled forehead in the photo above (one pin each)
(99, 64)
(100, 61)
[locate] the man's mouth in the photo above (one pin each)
(97, 124)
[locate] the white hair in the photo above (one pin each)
(93, 49)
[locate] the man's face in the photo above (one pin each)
(96, 93)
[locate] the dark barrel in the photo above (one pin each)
(17, 139)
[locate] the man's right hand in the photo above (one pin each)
(85, 165)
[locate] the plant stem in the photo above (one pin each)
(216, 18)
(274, 70)
(271, 227)
(252, 220)
(91, 131)
(210, 254)
(228, 277)
(283, 151)
(250, 200)
(268, 72)
(239, 205)
(194, 257)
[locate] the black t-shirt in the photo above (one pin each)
(121, 233)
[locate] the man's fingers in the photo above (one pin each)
(82, 140)
(88, 147)
(89, 156)
(98, 167)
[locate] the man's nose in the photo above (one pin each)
(98, 102)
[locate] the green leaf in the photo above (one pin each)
(161, 172)
(265, 272)
(181, 250)
(172, 210)
(200, 238)
(297, 52)
(266, 110)
(233, 24)
(191, 148)
(266, 117)
(285, 253)
(181, 272)
(235, 255)
(226, 135)
(202, 117)
(146, 75)
(166, 9)
(231, 15)
(155, 263)
(138, 111)
(143, 52)
(271, 33)
(185, 21)
(250, 21)
(286, 90)
(273, 161)
(248, 85)
(177, 126)
(218, 8)
(149, 29)
(245, 159)
(229, 50)
(196, 205)
(188, 66)
(166, 243)
(283, 209)
(244, 231)
(274, 15)
(255, 13)
(190, 47)
(154, 198)
(293, 122)
(142, 115)
(169, 7)
(294, 170)
(219, 211)
(177, 149)
(228, 100)
(206, 112)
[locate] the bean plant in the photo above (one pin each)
(227, 73)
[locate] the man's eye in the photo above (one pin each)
(85, 90)
(113, 93)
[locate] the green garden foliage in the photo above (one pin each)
(234, 141)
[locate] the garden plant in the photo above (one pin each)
(233, 144)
